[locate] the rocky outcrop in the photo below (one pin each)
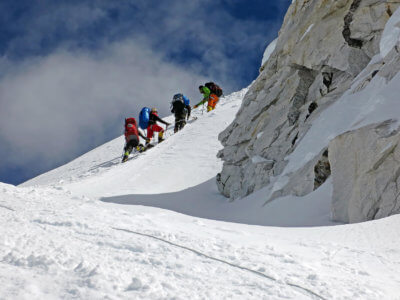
(366, 173)
(322, 170)
(365, 162)
(322, 46)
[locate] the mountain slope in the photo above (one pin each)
(58, 240)
(179, 175)
(174, 165)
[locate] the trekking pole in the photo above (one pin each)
(202, 110)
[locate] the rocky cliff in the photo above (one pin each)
(327, 51)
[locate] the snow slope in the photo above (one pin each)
(57, 245)
(185, 159)
(66, 235)
(179, 175)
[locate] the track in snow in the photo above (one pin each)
(303, 289)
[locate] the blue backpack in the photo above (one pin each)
(144, 117)
(186, 100)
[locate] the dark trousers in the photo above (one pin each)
(131, 142)
(180, 121)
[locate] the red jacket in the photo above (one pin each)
(130, 129)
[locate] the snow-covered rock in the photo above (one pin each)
(327, 52)
(391, 34)
(268, 51)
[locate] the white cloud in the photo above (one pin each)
(75, 92)
(49, 106)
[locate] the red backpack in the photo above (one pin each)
(214, 88)
(131, 127)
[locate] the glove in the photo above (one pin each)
(147, 140)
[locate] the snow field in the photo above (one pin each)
(62, 246)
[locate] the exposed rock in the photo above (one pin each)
(306, 78)
(322, 46)
(322, 170)
(313, 106)
(303, 181)
(366, 173)
(348, 19)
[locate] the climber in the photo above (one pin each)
(180, 107)
(132, 134)
(210, 95)
(153, 127)
(187, 105)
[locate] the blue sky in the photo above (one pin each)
(72, 70)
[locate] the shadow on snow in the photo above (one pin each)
(205, 201)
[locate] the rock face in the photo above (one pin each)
(366, 173)
(322, 46)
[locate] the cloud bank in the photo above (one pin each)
(54, 106)
(72, 70)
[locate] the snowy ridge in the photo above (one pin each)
(185, 159)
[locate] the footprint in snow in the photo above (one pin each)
(135, 285)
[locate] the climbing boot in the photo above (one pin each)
(160, 137)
